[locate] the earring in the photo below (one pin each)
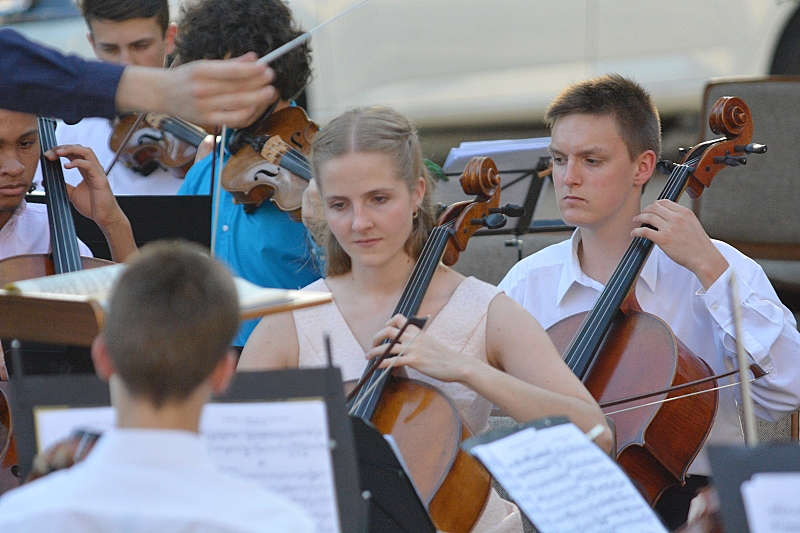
(415, 216)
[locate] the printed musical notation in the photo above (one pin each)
(563, 482)
(284, 446)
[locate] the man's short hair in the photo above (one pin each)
(623, 99)
(170, 320)
(122, 10)
(213, 29)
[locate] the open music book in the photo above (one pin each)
(74, 303)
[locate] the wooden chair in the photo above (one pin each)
(757, 209)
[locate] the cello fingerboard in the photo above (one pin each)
(63, 239)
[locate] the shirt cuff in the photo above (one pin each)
(759, 330)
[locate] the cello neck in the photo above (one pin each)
(63, 239)
(584, 347)
(413, 294)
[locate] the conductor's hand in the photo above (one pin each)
(420, 351)
(681, 236)
(230, 92)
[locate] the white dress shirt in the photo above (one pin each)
(141, 481)
(28, 232)
(551, 285)
(94, 133)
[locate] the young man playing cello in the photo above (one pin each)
(24, 228)
(164, 350)
(606, 141)
(264, 245)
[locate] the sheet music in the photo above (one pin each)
(771, 502)
(511, 154)
(284, 446)
(564, 483)
(91, 282)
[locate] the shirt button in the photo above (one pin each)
(714, 307)
(225, 227)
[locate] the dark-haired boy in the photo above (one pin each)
(124, 32)
(606, 140)
(164, 351)
(265, 245)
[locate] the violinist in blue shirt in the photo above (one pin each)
(263, 245)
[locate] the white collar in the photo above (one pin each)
(572, 273)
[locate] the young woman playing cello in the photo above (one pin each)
(481, 348)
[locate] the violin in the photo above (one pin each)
(452, 484)
(146, 142)
(623, 353)
(270, 162)
(63, 454)
(65, 257)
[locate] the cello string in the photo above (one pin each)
(65, 246)
(411, 294)
(618, 279)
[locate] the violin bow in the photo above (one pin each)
(266, 59)
(757, 371)
(750, 434)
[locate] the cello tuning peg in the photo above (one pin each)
(751, 148)
(682, 150)
(510, 210)
(731, 160)
(492, 221)
(665, 165)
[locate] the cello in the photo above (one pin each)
(65, 257)
(451, 484)
(657, 441)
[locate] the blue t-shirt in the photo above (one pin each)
(265, 247)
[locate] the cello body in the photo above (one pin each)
(450, 482)
(655, 444)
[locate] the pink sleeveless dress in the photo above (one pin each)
(461, 323)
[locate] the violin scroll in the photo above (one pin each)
(730, 117)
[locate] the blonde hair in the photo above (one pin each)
(376, 130)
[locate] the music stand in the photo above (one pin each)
(393, 504)
(32, 393)
(520, 159)
(733, 465)
(152, 218)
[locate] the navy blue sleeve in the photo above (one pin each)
(37, 79)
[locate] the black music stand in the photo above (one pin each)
(522, 162)
(152, 218)
(733, 465)
(393, 504)
(34, 392)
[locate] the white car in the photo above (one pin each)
(473, 63)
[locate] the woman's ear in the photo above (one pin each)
(418, 192)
